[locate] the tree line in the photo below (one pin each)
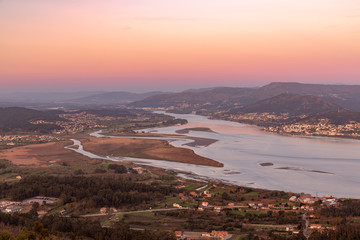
(55, 227)
(90, 192)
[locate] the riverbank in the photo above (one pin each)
(273, 128)
(300, 164)
(43, 154)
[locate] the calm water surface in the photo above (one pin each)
(313, 165)
(300, 164)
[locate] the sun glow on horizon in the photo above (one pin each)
(193, 43)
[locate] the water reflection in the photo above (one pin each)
(323, 166)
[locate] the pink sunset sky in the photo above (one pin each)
(168, 45)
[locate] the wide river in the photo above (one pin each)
(315, 165)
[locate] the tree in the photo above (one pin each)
(5, 236)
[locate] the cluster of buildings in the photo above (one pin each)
(313, 227)
(262, 206)
(26, 205)
(257, 117)
(11, 207)
(223, 235)
(320, 228)
(13, 140)
(322, 128)
(203, 204)
(78, 122)
(290, 228)
(308, 199)
(105, 210)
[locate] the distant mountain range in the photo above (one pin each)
(347, 96)
(307, 108)
(43, 97)
(220, 99)
(99, 98)
(111, 98)
(302, 102)
(207, 100)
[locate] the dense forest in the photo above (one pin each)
(18, 119)
(87, 192)
(112, 112)
(83, 193)
(348, 208)
(344, 231)
(55, 227)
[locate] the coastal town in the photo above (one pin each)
(76, 122)
(117, 119)
(279, 123)
(322, 128)
(254, 117)
(7, 141)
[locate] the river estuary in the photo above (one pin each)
(254, 158)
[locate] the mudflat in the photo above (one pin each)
(197, 141)
(197, 129)
(144, 148)
(200, 142)
(40, 154)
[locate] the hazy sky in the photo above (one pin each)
(164, 44)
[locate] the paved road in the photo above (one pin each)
(306, 226)
(265, 225)
(139, 211)
(201, 188)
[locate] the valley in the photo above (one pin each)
(129, 171)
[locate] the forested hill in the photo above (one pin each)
(18, 119)
(210, 100)
(293, 104)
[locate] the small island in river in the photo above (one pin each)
(197, 129)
